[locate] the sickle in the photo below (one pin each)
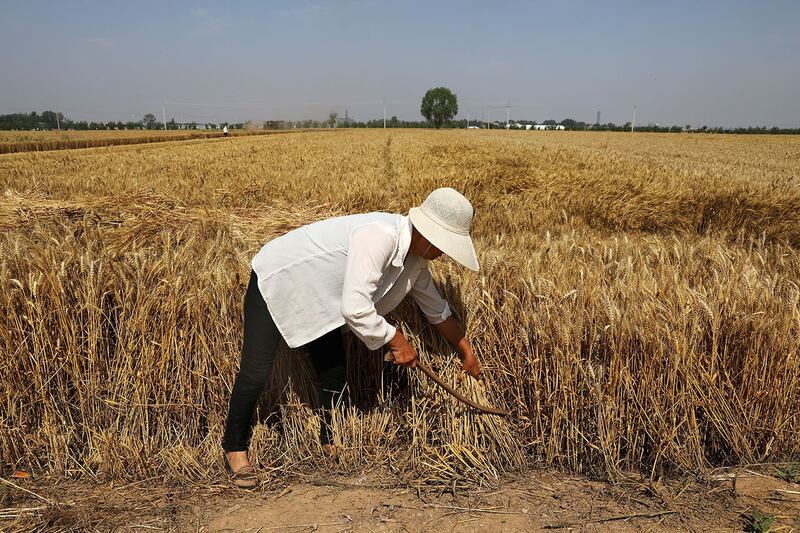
(439, 381)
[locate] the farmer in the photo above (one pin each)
(349, 270)
(225, 131)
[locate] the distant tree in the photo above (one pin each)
(51, 119)
(332, 119)
(439, 105)
(149, 121)
(572, 124)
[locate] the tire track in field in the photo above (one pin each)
(388, 167)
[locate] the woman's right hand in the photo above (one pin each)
(402, 350)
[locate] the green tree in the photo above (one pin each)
(149, 121)
(51, 119)
(439, 105)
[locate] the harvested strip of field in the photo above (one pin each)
(37, 141)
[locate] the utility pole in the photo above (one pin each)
(58, 122)
(384, 114)
(633, 122)
(467, 119)
(164, 115)
(489, 117)
(508, 116)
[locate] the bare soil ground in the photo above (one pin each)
(536, 501)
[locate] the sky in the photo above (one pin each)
(701, 62)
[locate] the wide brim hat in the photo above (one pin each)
(444, 219)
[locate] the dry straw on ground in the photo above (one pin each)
(638, 305)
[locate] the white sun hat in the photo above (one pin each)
(444, 219)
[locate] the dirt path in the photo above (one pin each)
(541, 500)
(336, 508)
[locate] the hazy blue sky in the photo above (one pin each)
(722, 62)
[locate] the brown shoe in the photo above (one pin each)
(244, 478)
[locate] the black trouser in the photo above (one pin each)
(260, 345)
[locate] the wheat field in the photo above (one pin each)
(637, 309)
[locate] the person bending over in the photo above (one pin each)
(344, 271)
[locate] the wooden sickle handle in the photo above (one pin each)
(439, 381)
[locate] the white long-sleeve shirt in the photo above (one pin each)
(346, 270)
